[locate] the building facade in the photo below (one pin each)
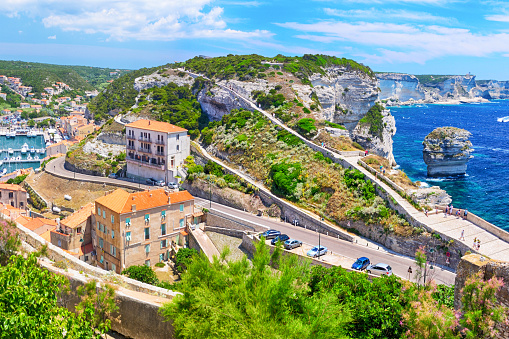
(13, 195)
(139, 228)
(156, 150)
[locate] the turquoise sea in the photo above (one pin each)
(16, 144)
(485, 189)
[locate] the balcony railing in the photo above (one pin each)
(146, 164)
(160, 153)
(144, 139)
(131, 147)
(145, 150)
(132, 137)
(160, 142)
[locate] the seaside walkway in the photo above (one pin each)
(491, 245)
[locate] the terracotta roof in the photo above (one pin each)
(47, 235)
(157, 126)
(12, 187)
(120, 201)
(35, 223)
(79, 216)
(23, 220)
(87, 248)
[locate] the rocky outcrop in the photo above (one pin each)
(378, 144)
(402, 87)
(161, 80)
(345, 96)
(447, 151)
(493, 89)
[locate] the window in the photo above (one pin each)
(163, 244)
(128, 221)
(147, 233)
(101, 227)
(86, 258)
(113, 268)
(99, 210)
(163, 229)
(147, 248)
(104, 214)
(102, 259)
(128, 236)
(78, 230)
(112, 234)
(178, 136)
(101, 243)
(181, 207)
(181, 223)
(161, 257)
(147, 262)
(105, 230)
(163, 214)
(113, 250)
(147, 217)
(112, 218)
(177, 148)
(98, 225)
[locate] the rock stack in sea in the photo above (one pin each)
(447, 151)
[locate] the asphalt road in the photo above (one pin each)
(398, 263)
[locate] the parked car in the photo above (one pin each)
(155, 182)
(379, 269)
(269, 234)
(317, 251)
(281, 237)
(113, 175)
(290, 244)
(361, 263)
(173, 185)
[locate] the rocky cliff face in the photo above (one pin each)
(447, 151)
(401, 89)
(345, 96)
(494, 89)
(381, 146)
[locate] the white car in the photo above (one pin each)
(173, 185)
(379, 269)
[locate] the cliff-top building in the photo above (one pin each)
(155, 150)
(14, 195)
(138, 228)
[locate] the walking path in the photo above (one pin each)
(206, 245)
(491, 245)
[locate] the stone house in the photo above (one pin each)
(156, 150)
(14, 195)
(139, 228)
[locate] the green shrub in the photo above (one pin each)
(285, 178)
(141, 273)
(184, 257)
(160, 264)
(213, 168)
(374, 119)
(288, 138)
(306, 126)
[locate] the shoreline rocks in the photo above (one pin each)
(447, 151)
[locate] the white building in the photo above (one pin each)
(156, 150)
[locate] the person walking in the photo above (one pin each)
(465, 214)
(462, 236)
(458, 213)
(426, 211)
(475, 243)
(446, 211)
(478, 244)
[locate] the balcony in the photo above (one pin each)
(144, 150)
(144, 139)
(132, 137)
(146, 164)
(160, 153)
(160, 142)
(131, 147)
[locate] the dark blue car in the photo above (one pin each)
(281, 237)
(361, 264)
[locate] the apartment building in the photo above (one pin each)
(155, 150)
(13, 195)
(139, 228)
(75, 231)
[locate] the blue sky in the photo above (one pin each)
(412, 36)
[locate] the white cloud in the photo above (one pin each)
(409, 43)
(498, 17)
(376, 14)
(161, 20)
(417, 2)
(52, 37)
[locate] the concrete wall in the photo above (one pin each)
(225, 220)
(237, 233)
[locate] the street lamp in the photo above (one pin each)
(319, 243)
(210, 194)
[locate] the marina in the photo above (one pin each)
(19, 150)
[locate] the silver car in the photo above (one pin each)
(290, 244)
(379, 269)
(173, 185)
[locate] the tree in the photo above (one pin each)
(31, 123)
(184, 258)
(29, 304)
(423, 271)
(238, 300)
(141, 273)
(9, 241)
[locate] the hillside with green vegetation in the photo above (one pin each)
(432, 79)
(295, 172)
(39, 75)
(120, 95)
(173, 104)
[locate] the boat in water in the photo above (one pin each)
(10, 150)
(503, 119)
(10, 134)
(24, 148)
(31, 134)
(32, 149)
(29, 157)
(18, 157)
(13, 159)
(4, 171)
(36, 157)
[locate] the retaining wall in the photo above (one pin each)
(225, 220)
(236, 233)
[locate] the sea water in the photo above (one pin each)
(16, 144)
(484, 190)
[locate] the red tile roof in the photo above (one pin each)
(12, 187)
(157, 126)
(78, 217)
(120, 201)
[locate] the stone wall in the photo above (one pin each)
(236, 233)
(225, 220)
(473, 263)
(112, 138)
(70, 167)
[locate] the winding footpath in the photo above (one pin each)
(491, 245)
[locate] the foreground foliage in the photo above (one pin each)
(141, 273)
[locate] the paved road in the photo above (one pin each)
(398, 263)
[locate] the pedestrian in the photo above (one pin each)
(381, 168)
(478, 244)
(348, 224)
(462, 236)
(465, 214)
(384, 171)
(475, 243)
(366, 153)
(447, 261)
(458, 213)
(451, 208)
(446, 211)
(426, 211)
(409, 272)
